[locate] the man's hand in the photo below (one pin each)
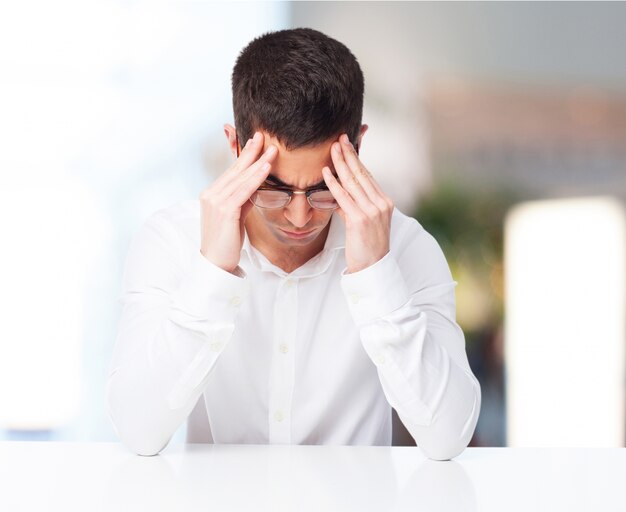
(363, 206)
(225, 204)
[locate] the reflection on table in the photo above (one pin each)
(105, 476)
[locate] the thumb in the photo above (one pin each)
(245, 210)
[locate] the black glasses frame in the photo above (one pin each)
(291, 192)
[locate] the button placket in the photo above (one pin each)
(282, 365)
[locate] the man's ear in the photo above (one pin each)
(231, 137)
(362, 131)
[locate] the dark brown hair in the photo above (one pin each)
(298, 85)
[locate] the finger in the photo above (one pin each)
(343, 198)
(349, 181)
(246, 207)
(251, 151)
(252, 172)
(242, 193)
(248, 155)
(364, 177)
(249, 180)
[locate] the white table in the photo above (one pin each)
(50, 476)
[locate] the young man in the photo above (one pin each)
(292, 303)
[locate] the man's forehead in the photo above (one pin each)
(300, 167)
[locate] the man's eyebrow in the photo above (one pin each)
(276, 181)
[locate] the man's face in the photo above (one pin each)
(298, 169)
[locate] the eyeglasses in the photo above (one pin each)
(272, 198)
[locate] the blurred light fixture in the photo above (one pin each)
(565, 327)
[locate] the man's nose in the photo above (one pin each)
(298, 211)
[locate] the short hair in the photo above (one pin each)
(298, 85)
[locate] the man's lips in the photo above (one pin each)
(297, 232)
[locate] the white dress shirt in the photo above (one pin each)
(315, 356)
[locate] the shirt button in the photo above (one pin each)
(235, 301)
(216, 346)
(354, 298)
(289, 282)
(283, 347)
(279, 416)
(379, 359)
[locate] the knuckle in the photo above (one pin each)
(212, 200)
(375, 213)
(372, 210)
(206, 195)
(214, 203)
(385, 206)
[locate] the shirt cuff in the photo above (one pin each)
(209, 292)
(376, 290)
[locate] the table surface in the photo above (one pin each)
(55, 476)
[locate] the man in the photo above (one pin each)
(292, 303)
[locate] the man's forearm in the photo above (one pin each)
(151, 392)
(167, 344)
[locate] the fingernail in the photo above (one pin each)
(345, 139)
(248, 143)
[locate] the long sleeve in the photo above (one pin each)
(178, 314)
(407, 327)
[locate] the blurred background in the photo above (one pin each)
(501, 127)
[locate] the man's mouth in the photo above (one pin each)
(297, 234)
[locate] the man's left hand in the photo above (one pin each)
(363, 206)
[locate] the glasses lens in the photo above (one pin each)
(270, 198)
(323, 200)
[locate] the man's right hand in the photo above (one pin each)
(225, 204)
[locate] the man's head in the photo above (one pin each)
(298, 85)
(301, 90)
